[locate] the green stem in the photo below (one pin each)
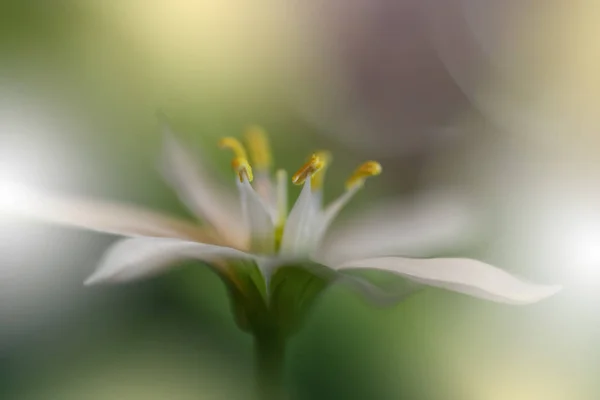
(270, 362)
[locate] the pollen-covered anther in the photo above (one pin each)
(240, 162)
(258, 144)
(364, 171)
(314, 164)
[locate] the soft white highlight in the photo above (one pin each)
(15, 197)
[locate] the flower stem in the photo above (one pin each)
(269, 350)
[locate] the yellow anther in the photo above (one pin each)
(366, 170)
(318, 177)
(242, 167)
(313, 165)
(234, 145)
(258, 144)
(240, 162)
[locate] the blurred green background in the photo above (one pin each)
(494, 101)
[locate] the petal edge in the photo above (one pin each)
(132, 259)
(461, 275)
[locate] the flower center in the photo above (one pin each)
(308, 220)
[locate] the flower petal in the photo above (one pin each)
(328, 215)
(203, 196)
(258, 218)
(432, 222)
(131, 259)
(461, 275)
(375, 294)
(300, 225)
(106, 217)
(265, 188)
(383, 297)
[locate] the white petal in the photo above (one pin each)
(259, 219)
(461, 275)
(432, 222)
(359, 285)
(264, 187)
(300, 225)
(372, 292)
(131, 259)
(328, 215)
(106, 217)
(200, 193)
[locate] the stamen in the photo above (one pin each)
(234, 145)
(282, 199)
(360, 175)
(258, 144)
(240, 162)
(242, 167)
(318, 177)
(313, 165)
(282, 206)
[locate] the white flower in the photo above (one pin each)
(259, 229)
